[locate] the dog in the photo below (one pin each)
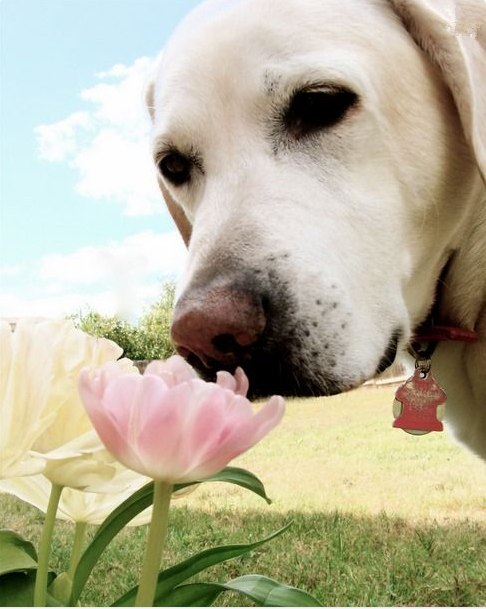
(325, 163)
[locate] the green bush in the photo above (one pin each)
(148, 339)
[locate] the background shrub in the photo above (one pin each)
(146, 340)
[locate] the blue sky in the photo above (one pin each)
(81, 219)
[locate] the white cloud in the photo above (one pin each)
(122, 277)
(105, 302)
(61, 140)
(117, 166)
(122, 103)
(10, 270)
(127, 267)
(139, 255)
(116, 71)
(108, 144)
(13, 305)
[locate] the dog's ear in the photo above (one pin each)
(453, 34)
(149, 98)
(178, 215)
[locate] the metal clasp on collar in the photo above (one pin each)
(421, 351)
(424, 366)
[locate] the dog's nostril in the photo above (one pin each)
(265, 304)
(183, 351)
(225, 343)
(196, 362)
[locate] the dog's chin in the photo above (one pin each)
(390, 354)
(281, 367)
(279, 378)
(290, 382)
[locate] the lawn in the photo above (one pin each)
(380, 517)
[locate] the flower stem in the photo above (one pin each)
(79, 533)
(40, 589)
(155, 545)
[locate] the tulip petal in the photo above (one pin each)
(226, 380)
(25, 410)
(172, 426)
(130, 399)
(79, 506)
(43, 422)
(163, 443)
(173, 371)
(241, 438)
(204, 427)
(6, 340)
(26, 467)
(88, 442)
(105, 423)
(238, 383)
(242, 383)
(79, 472)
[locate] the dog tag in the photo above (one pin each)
(419, 404)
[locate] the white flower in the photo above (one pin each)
(24, 398)
(79, 506)
(44, 425)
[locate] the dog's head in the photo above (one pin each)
(316, 160)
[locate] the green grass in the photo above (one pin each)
(380, 518)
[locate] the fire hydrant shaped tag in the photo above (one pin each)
(419, 404)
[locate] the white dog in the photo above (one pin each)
(325, 162)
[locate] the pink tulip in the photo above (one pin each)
(170, 425)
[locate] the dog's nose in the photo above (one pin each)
(218, 326)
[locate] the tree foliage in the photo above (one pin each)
(148, 339)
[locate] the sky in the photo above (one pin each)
(82, 223)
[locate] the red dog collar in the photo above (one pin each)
(433, 334)
(430, 335)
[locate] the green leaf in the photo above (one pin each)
(60, 588)
(18, 566)
(190, 595)
(175, 575)
(265, 592)
(135, 504)
(239, 476)
(17, 590)
(126, 511)
(269, 593)
(110, 527)
(16, 553)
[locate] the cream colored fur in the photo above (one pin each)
(372, 210)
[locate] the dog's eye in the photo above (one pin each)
(176, 168)
(311, 109)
